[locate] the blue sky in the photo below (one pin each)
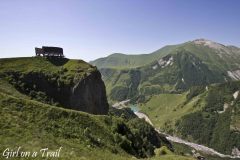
(89, 29)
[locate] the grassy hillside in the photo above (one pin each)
(165, 109)
(206, 116)
(33, 122)
(34, 125)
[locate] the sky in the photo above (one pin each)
(90, 29)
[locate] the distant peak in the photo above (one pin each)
(202, 40)
(208, 43)
(114, 54)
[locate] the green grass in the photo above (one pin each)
(40, 63)
(7, 88)
(33, 125)
(172, 157)
(165, 109)
(164, 154)
(69, 69)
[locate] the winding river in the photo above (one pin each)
(197, 147)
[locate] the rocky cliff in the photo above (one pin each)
(66, 83)
(90, 92)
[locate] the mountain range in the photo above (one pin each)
(172, 68)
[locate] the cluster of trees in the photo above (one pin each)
(130, 87)
(136, 136)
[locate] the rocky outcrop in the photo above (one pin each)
(81, 90)
(89, 92)
(235, 75)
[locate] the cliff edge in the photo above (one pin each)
(72, 84)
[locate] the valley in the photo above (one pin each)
(186, 90)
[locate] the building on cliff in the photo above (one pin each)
(49, 52)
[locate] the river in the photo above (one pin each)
(197, 147)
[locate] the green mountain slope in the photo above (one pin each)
(218, 119)
(212, 53)
(119, 60)
(206, 116)
(198, 62)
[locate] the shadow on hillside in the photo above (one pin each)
(57, 61)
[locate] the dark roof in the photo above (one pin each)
(52, 49)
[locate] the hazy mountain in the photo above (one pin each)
(206, 50)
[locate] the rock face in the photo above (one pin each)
(74, 84)
(89, 92)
